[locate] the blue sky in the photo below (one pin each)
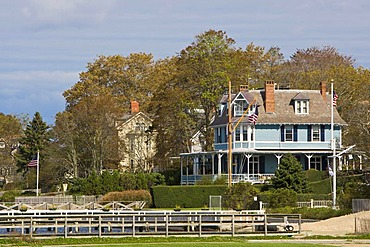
(45, 44)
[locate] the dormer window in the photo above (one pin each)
(240, 105)
(301, 106)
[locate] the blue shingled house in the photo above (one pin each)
(288, 121)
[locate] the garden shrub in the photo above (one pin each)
(241, 196)
(314, 175)
(127, 196)
(191, 196)
(9, 196)
(282, 197)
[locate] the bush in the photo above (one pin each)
(128, 196)
(9, 196)
(311, 213)
(282, 198)
(241, 196)
(107, 182)
(192, 196)
(315, 175)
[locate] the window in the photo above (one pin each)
(245, 132)
(315, 133)
(316, 163)
(242, 133)
(240, 105)
(301, 106)
(288, 133)
(218, 135)
(237, 134)
(254, 165)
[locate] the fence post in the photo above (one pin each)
(265, 224)
(311, 203)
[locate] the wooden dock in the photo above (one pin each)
(98, 223)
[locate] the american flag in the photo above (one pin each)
(331, 173)
(34, 162)
(253, 118)
(335, 97)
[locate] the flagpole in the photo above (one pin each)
(229, 140)
(37, 173)
(333, 146)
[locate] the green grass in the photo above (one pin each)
(152, 241)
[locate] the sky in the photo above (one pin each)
(45, 44)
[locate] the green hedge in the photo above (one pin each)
(194, 196)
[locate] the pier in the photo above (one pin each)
(98, 223)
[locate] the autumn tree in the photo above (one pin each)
(10, 133)
(127, 78)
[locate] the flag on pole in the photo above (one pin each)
(34, 162)
(253, 118)
(331, 173)
(335, 97)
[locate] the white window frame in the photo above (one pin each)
(315, 133)
(316, 162)
(239, 132)
(301, 106)
(291, 129)
(240, 105)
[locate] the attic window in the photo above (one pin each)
(240, 105)
(301, 106)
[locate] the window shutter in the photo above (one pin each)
(295, 133)
(309, 132)
(282, 133)
(322, 133)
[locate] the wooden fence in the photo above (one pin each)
(96, 223)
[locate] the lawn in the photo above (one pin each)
(150, 241)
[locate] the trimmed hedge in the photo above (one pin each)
(128, 196)
(192, 196)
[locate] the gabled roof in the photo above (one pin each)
(125, 119)
(319, 110)
(301, 96)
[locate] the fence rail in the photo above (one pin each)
(43, 223)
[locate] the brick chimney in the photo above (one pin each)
(134, 107)
(323, 90)
(270, 96)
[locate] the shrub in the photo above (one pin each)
(282, 197)
(314, 175)
(128, 196)
(241, 196)
(9, 196)
(192, 196)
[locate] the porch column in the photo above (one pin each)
(340, 163)
(204, 164)
(219, 156)
(181, 171)
(213, 164)
(248, 157)
(278, 156)
(309, 156)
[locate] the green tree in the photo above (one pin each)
(290, 175)
(36, 139)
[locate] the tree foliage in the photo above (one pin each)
(36, 139)
(96, 184)
(241, 196)
(290, 175)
